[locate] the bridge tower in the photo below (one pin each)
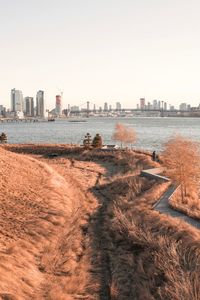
(88, 108)
(162, 108)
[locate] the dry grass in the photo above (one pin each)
(41, 216)
(43, 149)
(190, 205)
(151, 256)
(181, 158)
(65, 237)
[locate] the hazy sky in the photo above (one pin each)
(101, 50)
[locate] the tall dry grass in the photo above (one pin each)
(190, 205)
(150, 256)
(84, 240)
(42, 243)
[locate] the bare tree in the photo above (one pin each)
(124, 134)
(182, 159)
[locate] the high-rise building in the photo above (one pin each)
(105, 106)
(142, 103)
(40, 104)
(118, 106)
(155, 104)
(58, 105)
(188, 107)
(183, 106)
(88, 106)
(2, 110)
(16, 100)
(29, 106)
(165, 105)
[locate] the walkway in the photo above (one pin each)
(163, 204)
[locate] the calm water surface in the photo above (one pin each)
(152, 133)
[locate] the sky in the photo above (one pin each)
(101, 50)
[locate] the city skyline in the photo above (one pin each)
(29, 107)
(112, 103)
(102, 51)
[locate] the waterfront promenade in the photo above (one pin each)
(162, 205)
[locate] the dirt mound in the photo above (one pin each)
(35, 203)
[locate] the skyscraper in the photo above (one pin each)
(183, 106)
(16, 100)
(142, 103)
(58, 105)
(155, 104)
(40, 104)
(118, 106)
(105, 106)
(29, 106)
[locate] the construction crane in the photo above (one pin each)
(61, 92)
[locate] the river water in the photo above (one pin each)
(151, 133)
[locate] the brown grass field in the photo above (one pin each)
(81, 226)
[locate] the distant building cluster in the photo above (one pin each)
(154, 105)
(24, 106)
(92, 108)
(29, 107)
(21, 107)
(162, 105)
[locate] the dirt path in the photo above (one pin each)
(80, 252)
(162, 205)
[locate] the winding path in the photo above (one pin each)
(162, 205)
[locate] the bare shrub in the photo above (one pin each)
(182, 159)
(124, 134)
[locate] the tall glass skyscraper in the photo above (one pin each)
(40, 104)
(29, 106)
(16, 100)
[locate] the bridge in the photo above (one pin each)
(85, 108)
